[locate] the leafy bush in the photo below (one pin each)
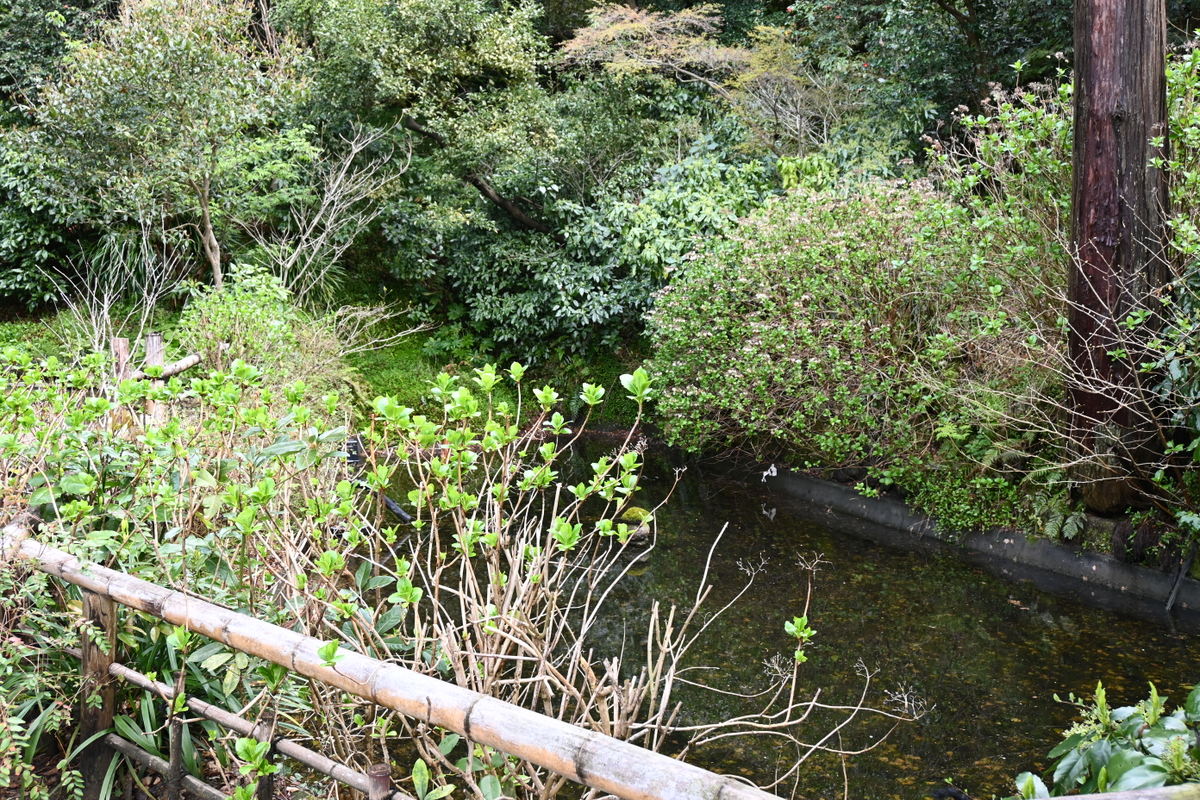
(840, 332)
(251, 319)
(526, 295)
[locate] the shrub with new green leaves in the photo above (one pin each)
(1122, 749)
(252, 318)
(799, 331)
(245, 493)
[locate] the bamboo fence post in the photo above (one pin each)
(175, 765)
(98, 647)
(155, 357)
(379, 777)
(264, 731)
(120, 353)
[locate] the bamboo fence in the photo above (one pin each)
(585, 757)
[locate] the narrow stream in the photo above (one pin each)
(986, 655)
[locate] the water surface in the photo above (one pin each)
(987, 655)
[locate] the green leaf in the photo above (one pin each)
(41, 496)
(203, 479)
(1191, 706)
(329, 654)
(489, 787)
(1066, 745)
(79, 483)
(1144, 776)
(215, 662)
(1120, 762)
(126, 728)
(230, 681)
(1031, 787)
(279, 449)
(1070, 770)
(420, 778)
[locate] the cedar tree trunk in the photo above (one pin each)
(1118, 230)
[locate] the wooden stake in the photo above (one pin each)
(264, 731)
(120, 353)
(155, 357)
(98, 646)
(175, 765)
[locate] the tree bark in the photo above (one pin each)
(208, 237)
(1118, 223)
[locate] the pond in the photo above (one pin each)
(986, 655)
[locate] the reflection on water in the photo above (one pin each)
(986, 654)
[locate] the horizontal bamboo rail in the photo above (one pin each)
(230, 721)
(1188, 791)
(196, 788)
(585, 757)
(172, 369)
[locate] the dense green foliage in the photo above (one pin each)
(35, 35)
(240, 492)
(816, 333)
(1123, 749)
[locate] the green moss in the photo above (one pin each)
(635, 514)
(401, 371)
(405, 371)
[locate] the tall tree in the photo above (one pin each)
(156, 120)
(1118, 226)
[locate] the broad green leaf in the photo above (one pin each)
(1144, 776)
(420, 778)
(1070, 743)
(489, 787)
(79, 483)
(1031, 787)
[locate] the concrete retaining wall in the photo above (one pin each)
(1094, 577)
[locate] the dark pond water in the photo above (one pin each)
(985, 654)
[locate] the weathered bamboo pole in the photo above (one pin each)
(174, 368)
(1188, 791)
(583, 756)
(98, 644)
(379, 777)
(192, 786)
(175, 742)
